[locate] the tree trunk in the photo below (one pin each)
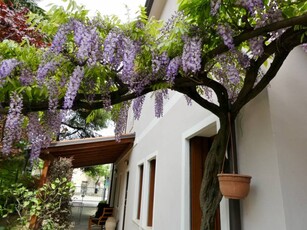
(210, 195)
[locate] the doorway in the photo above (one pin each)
(199, 148)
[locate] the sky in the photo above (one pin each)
(105, 7)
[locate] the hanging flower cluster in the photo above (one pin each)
(73, 87)
(12, 130)
(41, 131)
(121, 121)
(227, 35)
(173, 69)
(137, 106)
(191, 55)
(113, 49)
(44, 69)
(6, 68)
(159, 97)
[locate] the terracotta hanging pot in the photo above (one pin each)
(234, 186)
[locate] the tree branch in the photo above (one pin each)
(281, 48)
(74, 127)
(194, 95)
(246, 35)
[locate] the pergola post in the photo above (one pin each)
(42, 181)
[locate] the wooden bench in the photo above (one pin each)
(101, 221)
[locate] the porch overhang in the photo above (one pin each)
(90, 151)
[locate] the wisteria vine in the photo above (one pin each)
(133, 62)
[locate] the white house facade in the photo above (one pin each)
(152, 185)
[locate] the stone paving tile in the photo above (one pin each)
(80, 217)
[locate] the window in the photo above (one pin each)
(141, 172)
(152, 175)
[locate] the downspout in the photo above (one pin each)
(234, 205)
(148, 5)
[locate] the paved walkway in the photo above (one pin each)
(82, 209)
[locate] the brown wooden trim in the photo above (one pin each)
(151, 191)
(89, 152)
(199, 147)
(141, 171)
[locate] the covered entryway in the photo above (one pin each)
(90, 151)
(87, 152)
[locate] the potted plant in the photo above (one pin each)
(233, 185)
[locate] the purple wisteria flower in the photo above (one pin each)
(138, 81)
(191, 56)
(159, 96)
(227, 72)
(215, 6)
(44, 70)
(233, 75)
(256, 45)
(53, 95)
(79, 31)
(105, 95)
(188, 100)
(53, 121)
(171, 23)
(137, 106)
(251, 5)
(61, 37)
(26, 76)
(95, 52)
(35, 136)
(41, 129)
(173, 69)
(6, 67)
(226, 34)
(130, 51)
(159, 62)
(121, 122)
(73, 86)
(88, 41)
(113, 48)
(273, 14)
(208, 93)
(304, 47)
(243, 59)
(12, 129)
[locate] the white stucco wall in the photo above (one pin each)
(257, 156)
(272, 140)
(164, 139)
(272, 143)
(288, 103)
